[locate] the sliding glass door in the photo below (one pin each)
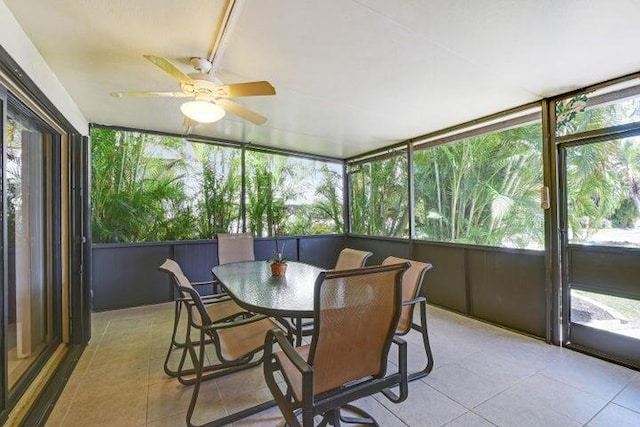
(30, 209)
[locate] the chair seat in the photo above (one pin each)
(291, 374)
(236, 342)
(223, 310)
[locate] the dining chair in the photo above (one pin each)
(351, 258)
(219, 306)
(411, 286)
(347, 259)
(356, 314)
(234, 247)
(237, 342)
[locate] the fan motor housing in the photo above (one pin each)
(204, 85)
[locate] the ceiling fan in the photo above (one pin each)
(210, 97)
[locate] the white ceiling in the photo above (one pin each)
(351, 75)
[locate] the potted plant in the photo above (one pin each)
(279, 264)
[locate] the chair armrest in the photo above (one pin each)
(414, 301)
(287, 348)
(215, 284)
(208, 299)
(232, 324)
(207, 282)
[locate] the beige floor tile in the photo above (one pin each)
(614, 415)
(124, 407)
(157, 373)
(630, 396)
(425, 406)
(463, 386)
(506, 379)
(57, 416)
(242, 382)
(470, 420)
(171, 398)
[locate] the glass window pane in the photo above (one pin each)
(612, 106)
(610, 313)
(214, 184)
(29, 284)
(155, 188)
(302, 196)
(482, 190)
(603, 185)
(380, 197)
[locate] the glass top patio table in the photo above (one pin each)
(252, 286)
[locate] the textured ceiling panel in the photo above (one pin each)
(350, 76)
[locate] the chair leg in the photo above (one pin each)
(422, 328)
(364, 417)
(174, 344)
(216, 371)
(197, 364)
(297, 321)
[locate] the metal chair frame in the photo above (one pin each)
(174, 344)
(208, 333)
(330, 403)
(422, 327)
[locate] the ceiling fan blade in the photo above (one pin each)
(242, 112)
(169, 68)
(245, 89)
(139, 94)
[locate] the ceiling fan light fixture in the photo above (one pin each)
(202, 111)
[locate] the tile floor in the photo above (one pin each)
(483, 376)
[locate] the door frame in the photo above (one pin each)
(608, 345)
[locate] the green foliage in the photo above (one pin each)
(482, 190)
(132, 190)
(267, 190)
(220, 183)
(603, 177)
(626, 215)
(155, 188)
(293, 193)
(379, 198)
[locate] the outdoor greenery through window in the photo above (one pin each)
(603, 191)
(482, 190)
(148, 187)
(612, 106)
(380, 196)
(301, 196)
(603, 178)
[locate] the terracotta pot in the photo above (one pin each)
(278, 268)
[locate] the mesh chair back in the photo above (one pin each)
(411, 285)
(351, 258)
(235, 247)
(356, 314)
(199, 314)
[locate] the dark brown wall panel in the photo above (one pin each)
(444, 284)
(614, 346)
(508, 288)
(321, 251)
(614, 271)
(128, 276)
(266, 248)
(381, 248)
(197, 259)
